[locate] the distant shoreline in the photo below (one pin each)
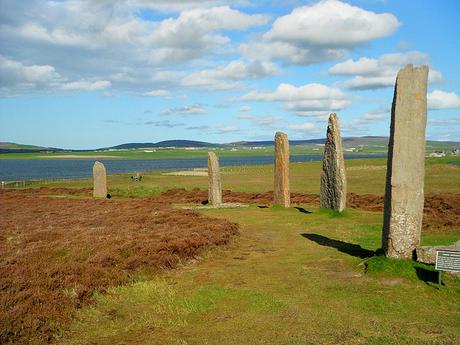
(79, 157)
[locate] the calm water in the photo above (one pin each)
(41, 169)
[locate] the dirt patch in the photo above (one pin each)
(186, 173)
(441, 211)
(55, 253)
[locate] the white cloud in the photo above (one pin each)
(59, 36)
(169, 6)
(295, 54)
(17, 74)
(226, 77)
(381, 72)
(377, 116)
(227, 129)
(157, 93)
(245, 108)
(194, 32)
(453, 121)
(309, 99)
(260, 121)
(85, 85)
(332, 24)
(303, 127)
(324, 31)
(113, 40)
(442, 100)
(191, 109)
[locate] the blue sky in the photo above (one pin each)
(89, 74)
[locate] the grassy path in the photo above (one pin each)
(292, 277)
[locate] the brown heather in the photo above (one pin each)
(57, 251)
(441, 211)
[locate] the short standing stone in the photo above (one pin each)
(215, 184)
(333, 194)
(99, 180)
(282, 194)
(404, 197)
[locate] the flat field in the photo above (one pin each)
(292, 276)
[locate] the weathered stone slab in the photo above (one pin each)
(427, 254)
(215, 184)
(404, 194)
(333, 193)
(99, 180)
(282, 194)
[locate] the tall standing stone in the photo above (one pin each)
(282, 194)
(215, 184)
(99, 180)
(333, 193)
(404, 197)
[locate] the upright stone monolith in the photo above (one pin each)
(333, 192)
(404, 197)
(215, 184)
(282, 194)
(99, 180)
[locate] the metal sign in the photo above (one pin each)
(448, 260)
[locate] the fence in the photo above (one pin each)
(31, 183)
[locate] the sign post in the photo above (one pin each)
(447, 259)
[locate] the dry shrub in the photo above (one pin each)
(56, 252)
(441, 211)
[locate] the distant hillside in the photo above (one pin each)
(373, 142)
(270, 142)
(166, 143)
(7, 147)
(14, 146)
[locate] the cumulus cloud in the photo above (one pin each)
(303, 127)
(194, 32)
(198, 128)
(292, 53)
(381, 72)
(85, 85)
(191, 109)
(326, 30)
(227, 77)
(166, 123)
(268, 122)
(332, 24)
(223, 129)
(169, 6)
(117, 42)
(157, 93)
(453, 121)
(443, 100)
(245, 108)
(375, 116)
(361, 124)
(17, 74)
(309, 99)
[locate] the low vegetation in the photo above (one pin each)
(80, 271)
(55, 253)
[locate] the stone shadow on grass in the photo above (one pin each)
(344, 247)
(302, 210)
(427, 276)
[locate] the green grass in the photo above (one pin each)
(363, 176)
(290, 278)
